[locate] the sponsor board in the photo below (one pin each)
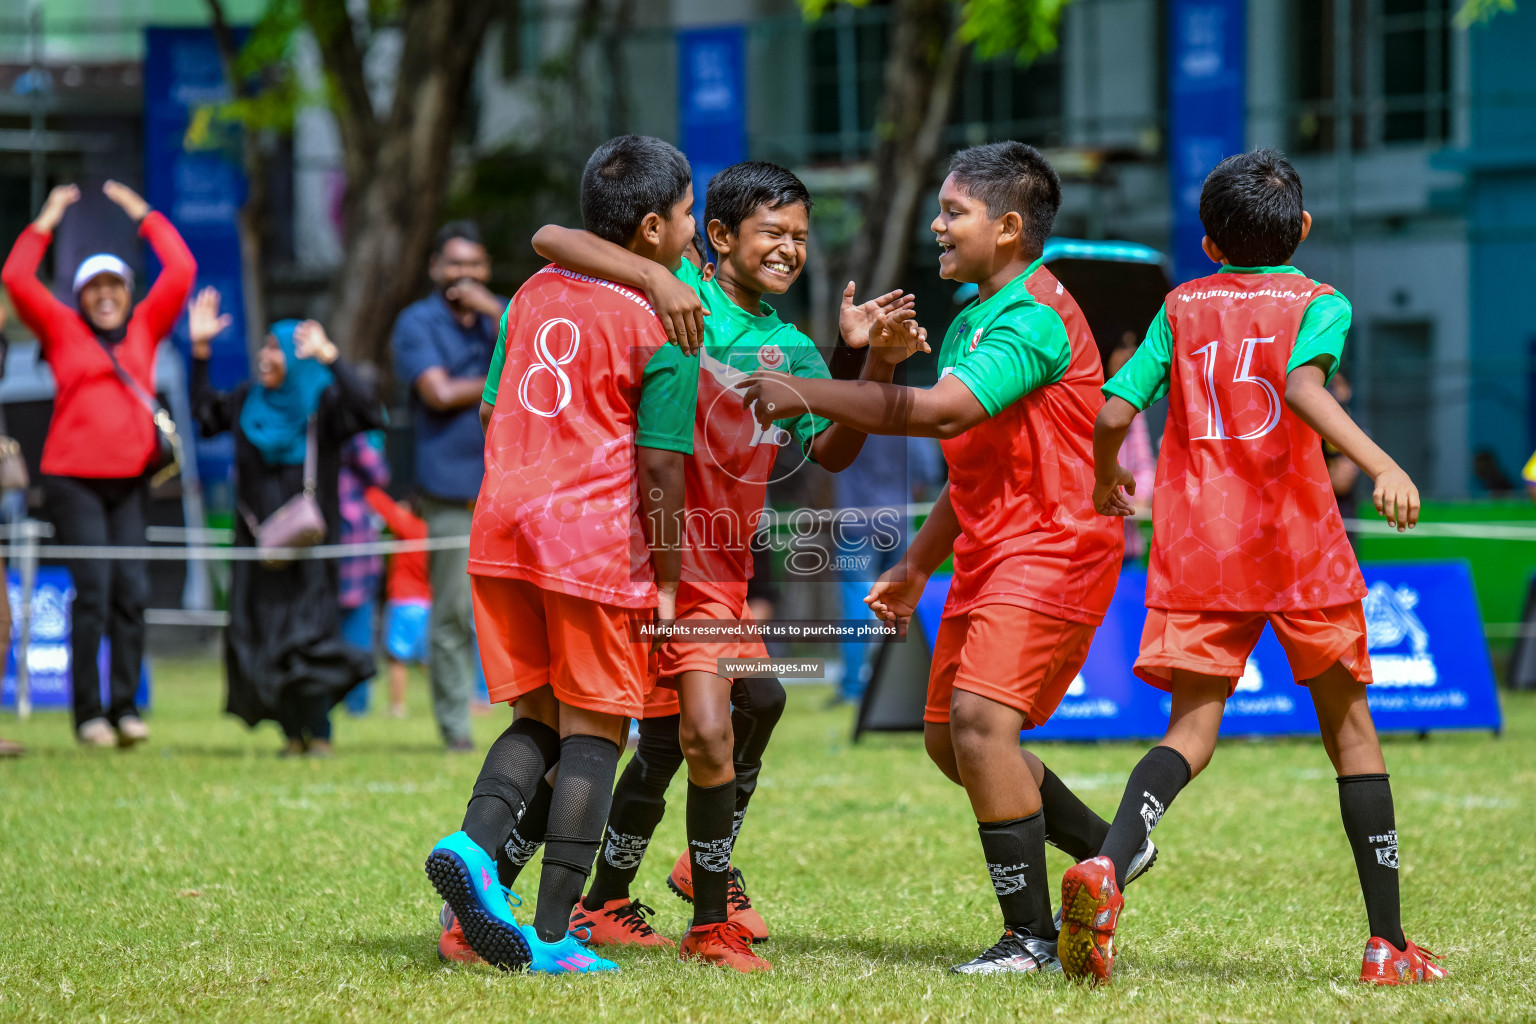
(1424, 632)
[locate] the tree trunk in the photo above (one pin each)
(254, 213)
(922, 70)
(398, 169)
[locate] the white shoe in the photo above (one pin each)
(130, 730)
(97, 732)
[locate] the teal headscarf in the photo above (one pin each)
(275, 419)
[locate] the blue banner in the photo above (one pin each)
(1428, 656)
(1207, 86)
(711, 103)
(51, 683)
(193, 174)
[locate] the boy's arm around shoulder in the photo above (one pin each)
(1394, 494)
(677, 306)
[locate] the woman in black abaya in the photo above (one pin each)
(284, 655)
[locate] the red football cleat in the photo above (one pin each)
(620, 922)
(727, 943)
(451, 945)
(1090, 908)
(738, 906)
(1385, 964)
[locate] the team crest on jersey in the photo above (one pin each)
(770, 357)
(975, 340)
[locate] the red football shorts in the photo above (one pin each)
(532, 637)
(1015, 656)
(1219, 643)
(679, 656)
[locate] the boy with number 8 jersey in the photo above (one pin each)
(574, 540)
(1246, 531)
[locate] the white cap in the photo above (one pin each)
(102, 263)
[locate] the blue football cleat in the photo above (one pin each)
(568, 956)
(464, 875)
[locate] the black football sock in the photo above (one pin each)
(527, 836)
(757, 702)
(1070, 825)
(639, 801)
(1015, 852)
(1155, 781)
(512, 770)
(1371, 824)
(710, 813)
(583, 792)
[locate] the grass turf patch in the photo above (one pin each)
(200, 877)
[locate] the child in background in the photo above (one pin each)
(407, 596)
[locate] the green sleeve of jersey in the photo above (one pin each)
(1324, 327)
(1144, 377)
(805, 361)
(690, 275)
(498, 360)
(669, 390)
(1015, 356)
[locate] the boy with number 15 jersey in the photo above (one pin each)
(1246, 532)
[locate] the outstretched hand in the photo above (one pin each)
(60, 199)
(857, 320)
(132, 203)
(896, 336)
(204, 322)
(772, 396)
(310, 342)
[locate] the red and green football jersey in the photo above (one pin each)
(1243, 514)
(1021, 481)
(585, 375)
(733, 457)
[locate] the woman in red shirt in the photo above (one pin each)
(102, 437)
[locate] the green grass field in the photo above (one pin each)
(202, 878)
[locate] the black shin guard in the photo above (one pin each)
(1155, 781)
(1015, 852)
(583, 792)
(1070, 825)
(757, 702)
(1371, 824)
(512, 770)
(527, 836)
(639, 801)
(709, 848)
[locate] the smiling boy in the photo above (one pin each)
(1034, 568)
(757, 219)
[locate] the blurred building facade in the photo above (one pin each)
(1420, 172)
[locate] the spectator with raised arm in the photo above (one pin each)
(102, 439)
(442, 346)
(284, 655)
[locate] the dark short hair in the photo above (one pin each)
(1251, 208)
(627, 178)
(1011, 177)
(468, 230)
(740, 190)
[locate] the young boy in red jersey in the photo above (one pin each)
(757, 217)
(1034, 567)
(569, 553)
(1246, 531)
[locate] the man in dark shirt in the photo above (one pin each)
(442, 347)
